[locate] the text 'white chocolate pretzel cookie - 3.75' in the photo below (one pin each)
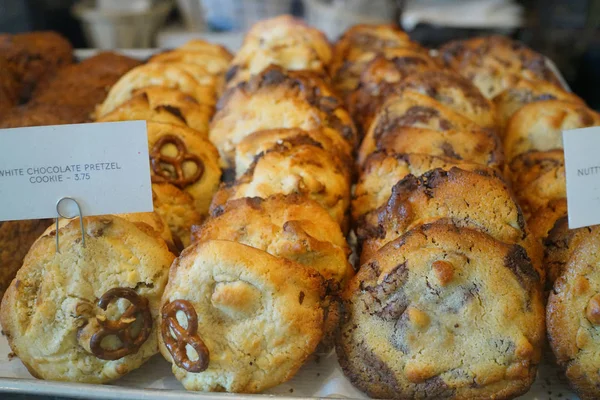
(236, 319)
(87, 314)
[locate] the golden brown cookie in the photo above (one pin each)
(261, 141)
(291, 227)
(538, 126)
(524, 92)
(156, 222)
(251, 317)
(382, 171)
(277, 99)
(34, 57)
(414, 110)
(56, 312)
(380, 78)
(188, 78)
(573, 317)
(9, 86)
(494, 63)
(16, 237)
(66, 94)
(443, 313)
(358, 46)
(161, 104)
(455, 92)
(299, 167)
(537, 178)
(284, 41)
(543, 220)
(477, 199)
(179, 156)
(32, 114)
(178, 210)
(212, 57)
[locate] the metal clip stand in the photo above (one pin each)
(59, 215)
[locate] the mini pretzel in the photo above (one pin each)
(178, 178)
(121, 328)
(183, 337)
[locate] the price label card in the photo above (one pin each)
(582, 170)
(103, 166)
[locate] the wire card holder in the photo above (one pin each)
(61, 215)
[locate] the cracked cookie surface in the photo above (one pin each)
(53, 300)
(259, 316)
(446, 313)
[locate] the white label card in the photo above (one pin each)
(582, 170)
(103, 166)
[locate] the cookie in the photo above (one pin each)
(412, 110)
(178, 210)
(477, 199)
(55, 312)
(538, 126)
(359, 45)
(165, 105)
(284, 41)
(380, 77)
(382, 171)
(251, 319)
(65, 89)
(16, 237)
(559, 245)
(494, 63)
(179, 156)
(292, 227)
(537, 178)
(261, 141)
(42, 115)
(156, 222)
(277, 99)
(524, 92)
(303, 168)
(213, 58)
(9, 86)
(455, 92)
(543, 220)
(202, 46)
(181, 76)
(34, 57)
(446, 313)
(572, 315)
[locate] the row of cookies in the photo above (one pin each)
(534, 110)
(448, 301)
(267, 265)
(175, 92)
(101, 289)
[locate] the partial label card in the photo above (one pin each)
(582, 167)
(103, 166)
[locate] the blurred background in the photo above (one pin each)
(567, 31)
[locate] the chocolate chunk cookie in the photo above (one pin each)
(446, 313)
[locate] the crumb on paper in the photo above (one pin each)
(11, 356)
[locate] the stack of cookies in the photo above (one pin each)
(258, 287)
(534, 109)
(175, 92)
(448, 300)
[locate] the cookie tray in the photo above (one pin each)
(320, 377)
